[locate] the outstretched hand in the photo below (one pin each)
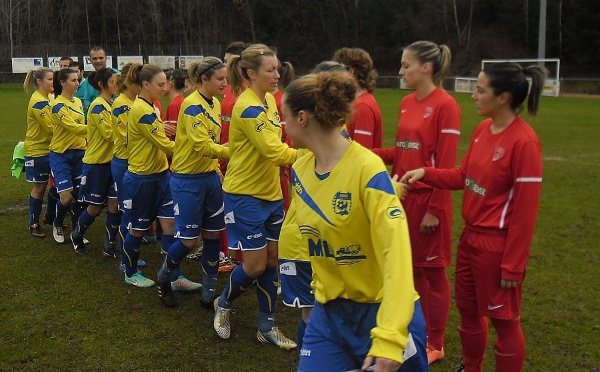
(401, 188)
(412, 176)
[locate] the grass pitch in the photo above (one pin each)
(62, 312)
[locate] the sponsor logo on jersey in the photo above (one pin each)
(427, 112)
(225, 117)
(260, 126)
(288, 268)
(407, 144)
(349, 255)
(498, 153)
(395, 212)
(342, 203)
(473, 187)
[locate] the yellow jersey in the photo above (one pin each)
(39, 126)
(68, 125)
(120, 110)
(99, 135)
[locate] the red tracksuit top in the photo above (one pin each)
(366, 127)
(501, 175)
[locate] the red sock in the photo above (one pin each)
(150, 231)
(510, 346)
(223, 247)
(473, 331)
(438, 305)
(422, 288)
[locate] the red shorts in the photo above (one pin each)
(478, 272)
(428, 250)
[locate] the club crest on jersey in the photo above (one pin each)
(427, 112)
(498, 153)
(395, 212)
(473, 187)
(342, 203)
(407, 144)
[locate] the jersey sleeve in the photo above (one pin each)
(103, 121)
(153, 130)
(527, 166)
(61, 116)
(362, 127)
(389, 231)
(42, 114)
(265, 140)
(447, 147)
(199, 135)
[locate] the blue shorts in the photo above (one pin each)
(198, 203)
(251, 221)
(295, 283)
(118, 167)
(332, 343)
(96, 184)
(66, 168)
(146, 197)
(37, 169)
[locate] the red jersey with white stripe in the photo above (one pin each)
(501, 175)
(428, 134)
(366, 127)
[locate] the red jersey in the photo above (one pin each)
(501, 175)
(366, 127)
(170, 116)
(428, 134)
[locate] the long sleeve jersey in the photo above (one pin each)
(99, 133)
(39, 126)
(366, 127)
(256, 150)
(120, 111)
(146, 140)
(355, 231)
(68, 125)
(197, 145)
(501, 175)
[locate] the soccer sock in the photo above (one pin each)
(510, 346)
(300, 332)
(35, 209)
(77, 209)
(238, 282)
(61, 211)
(422, 287)
(175, 253)
(223, 243)
(51, 201)
(266, 291)
(122, 235)
(439, 305)
(210, 267)
(473, 332)
(113, 221)
(165, 244)
(132, 253)
(85, 221)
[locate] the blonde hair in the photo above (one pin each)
(34, 76)
(250, 59)
(205, 67)
(438, 55)
(139, 73)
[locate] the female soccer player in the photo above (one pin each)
(146, 183)
(366, 127)
(176, 85)
(67, 148)
(97, 185)
(253, 199)
(196, 180)
(37, 143)
(428, 133)
(352, 223)
(501, 176)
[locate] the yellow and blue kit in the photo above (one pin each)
(355, 232)
(197, 145)
(120, 111)
(99, 133)
(39, 126)
(68, 125)
(255, 147)
(147, 142)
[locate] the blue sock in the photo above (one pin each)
(300, 332)
(113, 221)
(85, 221)
(132, 253)
(61, 211)
(51, 201)
(122, 235)
(238, 282)
(35, 209)
(166, 242)
(266, 291)
(77, 209)
(210, 268)
(176, 253)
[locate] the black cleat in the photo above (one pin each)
(79, 245)
(165, 293)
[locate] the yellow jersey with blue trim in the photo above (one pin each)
(355, 231)
(147, 142)
(39, 126)
(120, 110)
(197, 145)
(255, 148)
(68, 125)
(99, 136)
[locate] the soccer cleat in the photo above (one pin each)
(461, 368)
(222, 320)
(195, 255)
(36, 231)
(85, 241)
(226, 265)
(58, 234)
(165, 293)
(433, 355)
(207, 304)
(183, 284)
(141, 263)
(138, 280)
(78, 244)
(110, 249)
(275, 337)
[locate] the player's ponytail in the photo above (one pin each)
(361, 64)
(439, 56)
(286, 72)
(33, 78)
(99, 79)
(250, 59)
